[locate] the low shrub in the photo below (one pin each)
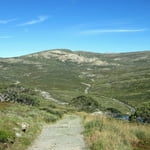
(141, 114)
(5, 136)
(85, 103)
(28, 99)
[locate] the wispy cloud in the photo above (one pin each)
(6, 21)
(99, 31)
(35, 21)
(6, 37)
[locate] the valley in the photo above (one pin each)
(42, 88)
(67, 74)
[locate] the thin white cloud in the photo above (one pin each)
(99, 31)
(6, 37)
(35, 21)
(6, 21)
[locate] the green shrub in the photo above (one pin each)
(142, 113)
(16, 93)
(85, 103)
(5, 136)
(28, 99)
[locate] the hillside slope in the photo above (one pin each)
(66, 74)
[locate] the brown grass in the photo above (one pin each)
(115, 134)
(4, 105)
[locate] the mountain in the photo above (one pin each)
(116, 80)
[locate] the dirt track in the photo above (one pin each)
(64, 135)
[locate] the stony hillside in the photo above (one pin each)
(64, 74)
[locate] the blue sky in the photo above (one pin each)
(28, 26)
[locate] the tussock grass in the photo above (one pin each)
(103, 133)
(12, 115)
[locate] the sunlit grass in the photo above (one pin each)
(13, 115)
(103, 133)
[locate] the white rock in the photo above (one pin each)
(18, 134)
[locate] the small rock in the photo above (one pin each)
(18, 134)
(24, 126)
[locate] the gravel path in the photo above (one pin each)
(64, 135)
(88, 86)
(48, 96)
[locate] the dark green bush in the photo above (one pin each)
(142, 113)
(85, 103)
(28, 99)
(16, 93)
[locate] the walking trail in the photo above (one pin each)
(88, 86)
(132, 109)
(64, 135)
(48, 96)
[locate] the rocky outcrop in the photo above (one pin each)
(69, 56)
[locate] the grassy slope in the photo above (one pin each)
(12, 115)
(128, 80)
(103, 133)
